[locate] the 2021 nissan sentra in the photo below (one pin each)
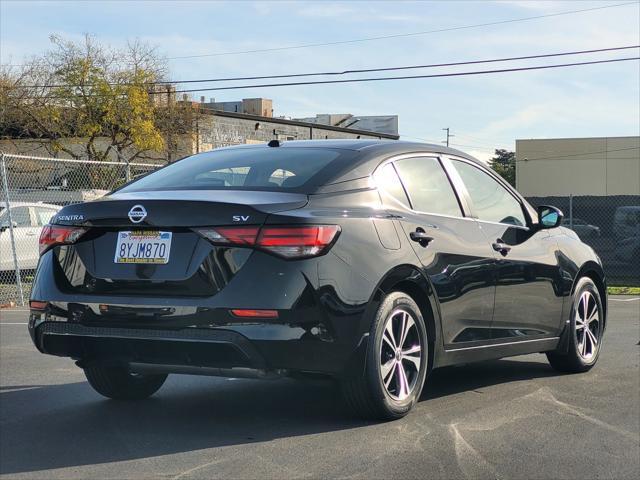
(373, 262)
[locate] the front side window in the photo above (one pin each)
(428, 186)
(492, 202)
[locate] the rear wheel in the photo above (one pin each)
(586, 329)
(397, 362)
(119, 383)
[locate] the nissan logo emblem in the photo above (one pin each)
(137, 213)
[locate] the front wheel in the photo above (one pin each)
(586, 328)
(396, 363)
(121, 384)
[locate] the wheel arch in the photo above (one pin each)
(594, 271)
(411, 281)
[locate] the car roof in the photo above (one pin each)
(365, 145)
(373, 145)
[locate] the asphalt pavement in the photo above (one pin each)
(511, 418)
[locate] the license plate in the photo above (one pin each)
(143, 247)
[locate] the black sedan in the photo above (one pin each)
(372, 262)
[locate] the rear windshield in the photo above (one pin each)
(243, 168)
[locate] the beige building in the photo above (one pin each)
(600, 166)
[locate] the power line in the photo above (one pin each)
(398, 35)
(354, 71)
(435, 142)
(377, 79)
(577, 154)
(407, 77)
(401, 35)
(487, 142)
(477, 147)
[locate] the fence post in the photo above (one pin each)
(5, 188)
(571, 211)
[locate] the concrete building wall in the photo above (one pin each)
(387, 124)
(216, 131)
(578, 166)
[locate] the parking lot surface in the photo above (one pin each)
(512, 418)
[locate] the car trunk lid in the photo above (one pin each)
(193, 265)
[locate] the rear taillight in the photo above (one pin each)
(38, 305)
(293, 242)
(53, 235)
(297, 242)
(231, 235)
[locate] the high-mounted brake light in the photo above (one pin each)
(53, 235)
(292, 242)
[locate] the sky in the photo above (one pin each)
(483, 112)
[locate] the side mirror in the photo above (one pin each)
(549, 217)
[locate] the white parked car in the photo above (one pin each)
(28, 220)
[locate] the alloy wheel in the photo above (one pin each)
(587, 326)
(401, 354)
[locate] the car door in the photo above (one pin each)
(446, 243)
(528, 301)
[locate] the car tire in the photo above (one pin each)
(586, 328)
(120, 384)
(396, 363)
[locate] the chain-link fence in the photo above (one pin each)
(32, 190)
(610, 225)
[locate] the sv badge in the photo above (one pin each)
(240, 218)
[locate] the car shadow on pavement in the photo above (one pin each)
(474, 376)
(69, 425)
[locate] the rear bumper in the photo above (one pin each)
(278, 350)
(211, 351)
(321, 327)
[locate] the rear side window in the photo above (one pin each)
(261, 168)
(387, 181)
(428, 186)
(44, 215)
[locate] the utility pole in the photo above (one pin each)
(449, 135)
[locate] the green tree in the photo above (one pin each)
(504, 163)
(86, 100)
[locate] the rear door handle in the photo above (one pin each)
(500, 246)
(421, 237)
